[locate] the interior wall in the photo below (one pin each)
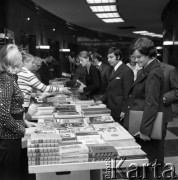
(170, 23)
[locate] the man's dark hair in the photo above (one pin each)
(117, 52)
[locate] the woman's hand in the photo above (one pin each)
(66, 90)
(97, 103)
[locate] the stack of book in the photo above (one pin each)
(43, 149)
(73, 153)
(67, 111)
(88, 112)
(102, 152)
(68, 137)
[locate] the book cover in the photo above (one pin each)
(131, 153)
(100, 119)
(102, 151)
(128, 144)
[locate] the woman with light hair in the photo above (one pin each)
(12, 126)
(27, 81)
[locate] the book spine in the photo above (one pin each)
(34, 163)
(44, 158)
(36, 141)
(77, 156)
(43, 150)
(43, 145)
(103, 154)
(73, 160)
(73, 151)
(40, 154)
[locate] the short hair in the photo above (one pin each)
(97, 56)
(10, 56)
(117, 52)
(145, 46)
(84, 54)
(38, 60)
(27, 58)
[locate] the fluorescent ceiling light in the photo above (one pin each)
(100, 1)
(64, 50)
(159, 47)
(139, 32)
(175, 42)
(43, 47)
(103, 8)
(107, 15)
(146, 33)
(113, 20)
(168, 43)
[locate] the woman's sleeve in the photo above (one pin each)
(5, 112)
(36, 84)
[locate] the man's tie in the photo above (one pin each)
(112, 72)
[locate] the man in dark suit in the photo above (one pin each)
(170, 90)
(104, 69)
(119, 84)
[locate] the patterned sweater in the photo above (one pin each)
(12, 125)
(27, 81)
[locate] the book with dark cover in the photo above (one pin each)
(102, 151)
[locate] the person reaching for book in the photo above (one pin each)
(27, 81)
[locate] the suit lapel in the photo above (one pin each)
(117, 72)
(145, 72)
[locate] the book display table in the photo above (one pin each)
(100, 162)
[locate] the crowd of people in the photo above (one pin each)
(144, 84)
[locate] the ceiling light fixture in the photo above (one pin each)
(159, 47)
(43, 47)
(64, 50)
(167, 43)
(107, 15)
(110, 8)
(100, 1)
(113, 20)
(146, 33)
